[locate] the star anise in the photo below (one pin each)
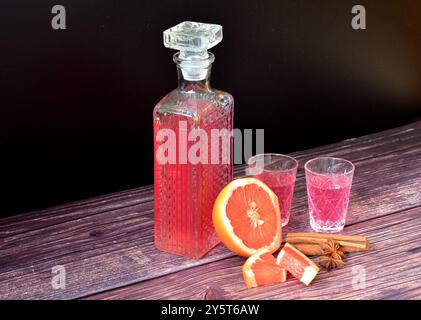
(333, 255)
(330, 262)
(332, 247)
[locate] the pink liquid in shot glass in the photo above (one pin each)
(278, 172)
(283, 187)
(328, 198)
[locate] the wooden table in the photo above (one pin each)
(106, 244)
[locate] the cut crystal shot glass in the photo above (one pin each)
(278, 171)
(329, 183)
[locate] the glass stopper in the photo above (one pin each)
(190, 36)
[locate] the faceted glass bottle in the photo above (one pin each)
(193, 145)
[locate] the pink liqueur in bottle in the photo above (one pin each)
(193, 142)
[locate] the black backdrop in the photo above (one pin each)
(76, 104)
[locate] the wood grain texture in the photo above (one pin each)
(107, 242)
(391, 268)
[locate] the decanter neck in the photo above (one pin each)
(193, 70)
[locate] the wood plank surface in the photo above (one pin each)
(391, 269)
(107, 242)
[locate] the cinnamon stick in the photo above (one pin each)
(316, 249)
(309, 249)
(358, 243)
(344, 237)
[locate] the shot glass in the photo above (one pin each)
(329, 183)
(278, 172)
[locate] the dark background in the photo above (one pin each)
(76, 104)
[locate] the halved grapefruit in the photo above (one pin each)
(246, 217)
(261, 269)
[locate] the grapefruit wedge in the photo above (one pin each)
(246, 217)
(261, 269)
(296, 263)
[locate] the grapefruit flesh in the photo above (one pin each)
(247, 218)
(261, 269)
(296, 263)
